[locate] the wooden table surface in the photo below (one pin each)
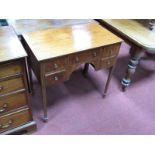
(30, 25)
(51, 43)
(10, 46)
(134, 31)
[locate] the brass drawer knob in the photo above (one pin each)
(4, 107)
(7, 125)
(1, 88)
(94, 54)
(77, 58)
(56, 78)
(55, 66)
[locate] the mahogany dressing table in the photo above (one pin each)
(55, 53)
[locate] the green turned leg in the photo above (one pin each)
(136, 53)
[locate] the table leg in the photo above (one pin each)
(44, 95)
(85, 70)
(136, 53)
(108, 81)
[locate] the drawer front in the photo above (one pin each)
(56, 64)
(11, 85)
(13, 120)
(56, 78)
(10, 69)
(110, 51)
(83, 57)
(106, 63)
(12, 102)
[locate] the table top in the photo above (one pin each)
(51, 43)
(133, 30)
(30, 25)
(10, 46)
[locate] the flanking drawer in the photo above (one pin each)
(12, 102)
(83, 57)
(56, 78)
(10, 69)
(109, 51)
(15, 119)
(55, 64)
(106, 63)
(11, 85)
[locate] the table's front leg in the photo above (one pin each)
(108, 81)
(44, 95)
(136, 53)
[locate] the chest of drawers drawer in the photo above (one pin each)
(83, 57)
(110, 51)
(15, 119)
(10, 69)
(11, 85)
(55, 64)
(12, 102)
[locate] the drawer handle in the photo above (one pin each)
(56, 78)
(77, 59)
(94, 54)
(5, 105)
(7, 125)
(1, 88)
(55, 66)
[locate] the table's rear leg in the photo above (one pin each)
(136, 53)
(85, 70)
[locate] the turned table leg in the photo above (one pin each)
(85, 70)
(108, 81)
(136, 53)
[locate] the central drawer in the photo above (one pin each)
(12, 102)
(11, 85)
(10, 69)
(13, 120)
(84, 56)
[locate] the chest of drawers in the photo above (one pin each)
(15, 110)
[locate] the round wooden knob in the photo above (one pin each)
(55, 66)
(56, 78)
